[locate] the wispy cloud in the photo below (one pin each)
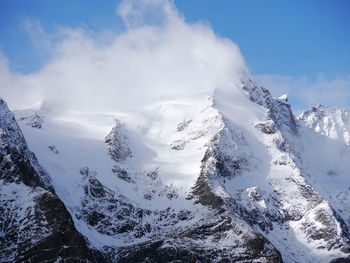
(39, 38)
(135, 13)
(117, 71)
(305, 92)
(158, 56)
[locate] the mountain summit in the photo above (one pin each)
(234, 177)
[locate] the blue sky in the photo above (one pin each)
(295, 45)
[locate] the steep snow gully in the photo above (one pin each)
(230, 177)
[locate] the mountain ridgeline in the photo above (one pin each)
(234, 177)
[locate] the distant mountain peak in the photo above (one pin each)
(330, 121)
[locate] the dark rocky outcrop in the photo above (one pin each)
(189, 245)
(35, 225)
(117, 141)
(17, 163)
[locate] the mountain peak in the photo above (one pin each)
(329, 121)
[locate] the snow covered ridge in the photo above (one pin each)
(329, 121)
(233, 177)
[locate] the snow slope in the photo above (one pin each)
(326, 153)
(175, 171)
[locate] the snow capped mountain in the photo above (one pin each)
(231, 177)
(331, 122)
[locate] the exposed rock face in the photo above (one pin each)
(117, 141)
(17, 163)
(179, 235)
(223, 159)
(110, 213)
(233, 243)
(34, 223)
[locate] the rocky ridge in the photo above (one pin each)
(35, 225)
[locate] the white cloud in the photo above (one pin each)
(306, 92)
(108, 71)
(147, 12)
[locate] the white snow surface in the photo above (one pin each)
(172, 138)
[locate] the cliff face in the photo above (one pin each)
(231, 178)
(35, 225)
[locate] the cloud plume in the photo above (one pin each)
(157, 57)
